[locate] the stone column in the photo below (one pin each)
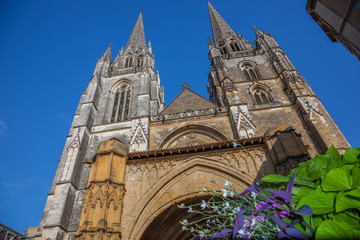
(102, 206)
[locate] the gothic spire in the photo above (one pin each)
(137, 38)
(221, 30)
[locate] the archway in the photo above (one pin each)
(167, 224)
(179, 185)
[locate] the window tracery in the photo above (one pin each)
(223, 48)
(249, 73)
(261, 96)
(120, 110)
(234, 46)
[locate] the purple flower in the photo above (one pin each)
(260, 218)
(285, 214)
(235, 144)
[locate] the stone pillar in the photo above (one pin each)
(102, 206)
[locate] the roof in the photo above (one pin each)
(197, 148)
(186, 101)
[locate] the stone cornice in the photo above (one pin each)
(198, 148)
(189, 114)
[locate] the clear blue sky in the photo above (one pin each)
(48, 51)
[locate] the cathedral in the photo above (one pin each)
(129, 160)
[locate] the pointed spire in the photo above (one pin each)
(210, 42)
(258, 32)
(107, 54)
(221, 30)
(137, 38)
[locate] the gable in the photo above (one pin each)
(187, 101)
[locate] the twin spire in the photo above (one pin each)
(221, 30)
(136, 43)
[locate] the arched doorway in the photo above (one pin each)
(167, 224)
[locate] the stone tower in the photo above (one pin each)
(128, 160)
(116, 104)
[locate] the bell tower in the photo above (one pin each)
(262, 88)
(116, 106)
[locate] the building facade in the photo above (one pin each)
(7, 233)
(340, 20)
(129, 160)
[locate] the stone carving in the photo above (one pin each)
(75, 143)
(310, 106)
(228, 85)
(244, 125)
(247, 161)
(292, 77)
(189, 114)
(139, 138)
(102, 197)
(139, 141)
(149, 167)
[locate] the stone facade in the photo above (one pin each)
(129, 160)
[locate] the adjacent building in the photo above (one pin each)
(340, 20)
(7, 233)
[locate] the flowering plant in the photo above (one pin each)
(258, 215)
(324, 204)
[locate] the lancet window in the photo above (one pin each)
(121, 106)
(129, 61)
(140, 61)
(261, 96)
(223, 48)
(234, 46)
(250, 73)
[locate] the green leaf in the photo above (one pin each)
(303, 192)
(302, 170)
(332, 229)
(351, 155)
(318, 167)
(337, 179)
(314, 221)
(333, 153)
(319, 201)
(304, 181)
(350, 199)
(355, 177)
(275, 178)
(346, 220)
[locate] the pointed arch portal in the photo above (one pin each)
(156, 215)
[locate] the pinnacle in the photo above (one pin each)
(221, 30)
(137, 38)
(258, 32)
(107, 54)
